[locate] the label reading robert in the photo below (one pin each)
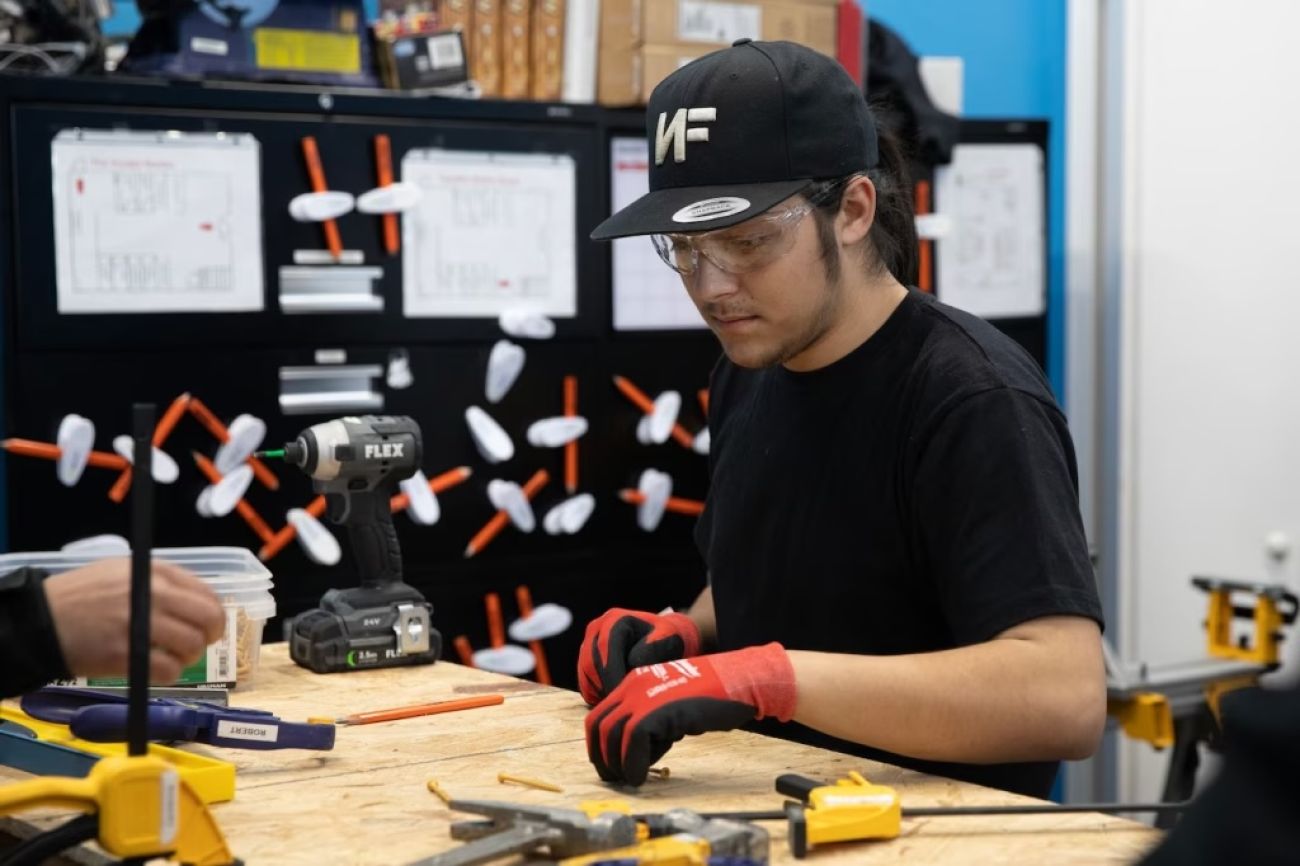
(247, 731)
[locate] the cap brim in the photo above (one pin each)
(686, 209)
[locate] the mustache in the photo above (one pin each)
(721, 312)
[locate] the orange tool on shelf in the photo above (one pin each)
(524, 599)
(925, 261)
(166, 424)
(464, 650)
(384, 169)
(442, 482)
(46, 451)
(317, 175)
(493, 527)
(246, 511)
(416, 710)
(571, 449)
(219, 430)
(675, 504)
(646, 405)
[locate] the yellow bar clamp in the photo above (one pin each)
(145, 809)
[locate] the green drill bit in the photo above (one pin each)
(274, 454)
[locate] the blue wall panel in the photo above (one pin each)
(1014, 57)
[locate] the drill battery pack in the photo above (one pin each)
(328, 641)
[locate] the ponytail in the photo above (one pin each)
(892, 241)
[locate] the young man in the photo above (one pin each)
(897, 567)
(77, 623)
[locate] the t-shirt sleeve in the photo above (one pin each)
(995, 506)
(28, 641)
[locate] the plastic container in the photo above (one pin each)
(238, 578)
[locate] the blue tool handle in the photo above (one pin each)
(106, 723)
(236, 732)
(59, 704)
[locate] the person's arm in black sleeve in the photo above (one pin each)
(29, 643)
(992, 493)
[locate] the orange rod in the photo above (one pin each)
(493, 527)
(524, 599)
(169, 420)
(120, 487)
(384, 168)
(281, 539)
(464, 650)
(703, 394)
(246, 511)
(571, 449)
(222, 434)
(496, 628)
(675, 504)
(446, 480)
(925, 262)
(317, 174)
(646, 405)
(412, 712)
(46, 451)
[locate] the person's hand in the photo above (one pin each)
(619, 640)
(657, 705)
(91, 609)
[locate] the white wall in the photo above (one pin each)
(1210, 307)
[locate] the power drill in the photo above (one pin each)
(357, 463)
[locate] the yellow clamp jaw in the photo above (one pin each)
(1274, 608)
(145, 809)
(852, 809)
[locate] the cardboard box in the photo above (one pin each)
(485, 46)
(710, 22)
(516, 39)
(642, 41)
(547, 50)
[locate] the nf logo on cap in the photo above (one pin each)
(677, 133)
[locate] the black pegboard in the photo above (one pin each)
(98, 365)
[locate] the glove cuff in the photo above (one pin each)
(761, 676)
(686, 628)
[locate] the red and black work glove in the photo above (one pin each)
(619, 640)
(657, 705)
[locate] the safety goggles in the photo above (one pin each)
(744, 248)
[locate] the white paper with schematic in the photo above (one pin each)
(648, 295)
(491, 232)
(156, 221)
(993, 261)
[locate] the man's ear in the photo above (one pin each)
(857, 211)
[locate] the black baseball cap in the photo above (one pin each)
(740, 130)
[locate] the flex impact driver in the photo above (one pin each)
(356, 463)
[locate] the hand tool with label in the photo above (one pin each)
(516, 828)
(101, 718)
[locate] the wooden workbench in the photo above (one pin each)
(366, 802)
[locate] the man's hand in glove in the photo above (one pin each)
(620, 640)
(657, 705)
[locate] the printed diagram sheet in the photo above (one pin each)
(648, 295)
(157, 222)
(492, 232)
(992, 264)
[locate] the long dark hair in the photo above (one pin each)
(892, 242)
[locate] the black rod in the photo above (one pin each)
(952, 811)
(137, 714)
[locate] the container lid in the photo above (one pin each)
(222, 562)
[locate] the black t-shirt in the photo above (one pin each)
(919, 494)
